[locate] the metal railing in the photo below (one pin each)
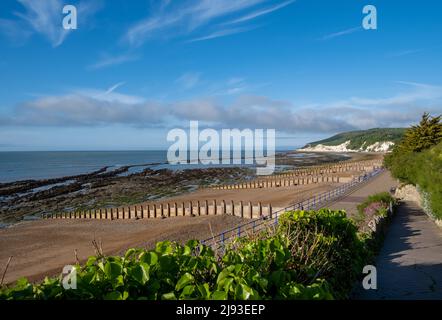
(220, 240)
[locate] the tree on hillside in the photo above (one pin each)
(420, 137)
(424, 135)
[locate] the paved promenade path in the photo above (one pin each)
(409, 265)
(383, 182)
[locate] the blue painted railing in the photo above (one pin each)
(218, 241)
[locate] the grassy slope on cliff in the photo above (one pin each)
(358, 138)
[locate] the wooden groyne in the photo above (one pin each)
(283, 182)
(337, 173)
(171, 209)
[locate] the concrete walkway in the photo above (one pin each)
(383, 182)
(409, 265)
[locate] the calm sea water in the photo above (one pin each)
(16, 166)
(41, 165)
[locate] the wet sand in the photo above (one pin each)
(42, 248)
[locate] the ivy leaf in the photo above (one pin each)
(204, 290)
(168, 296)
(164, 247)
(151, 258)
(243, 292)
(187, 292)
(219, 295)
(129, 253)
(140, 273)
(113, 269)
(185, 279)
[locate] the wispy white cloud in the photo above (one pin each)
(260, 12)
(108, 61)
(222, 33)
(236, 85)
(186, 17)
(341, 33)
(114, 87)
(45, 18)
(404, 53)
(189, 80)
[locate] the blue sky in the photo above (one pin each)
(135, 69)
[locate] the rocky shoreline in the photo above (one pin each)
(28, 199)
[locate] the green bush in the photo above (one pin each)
(310, 255)
(337, 237)
(417, 160)
(383, 199)
(423, 169)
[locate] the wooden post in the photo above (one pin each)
(176, 209)
(214, 207)
(270, 210)
(224, 207)
(183, 209)
(260, 209)
(155, 210)
(168, 210)
(232, 207)
(198, 209)
(206, 205)
(241, 206)
(250, 210)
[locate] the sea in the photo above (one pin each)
(36, 165)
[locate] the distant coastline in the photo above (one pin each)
(42, 182)
(39, 165)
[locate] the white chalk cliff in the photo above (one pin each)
(380, 146)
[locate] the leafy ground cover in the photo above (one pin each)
(309, 255)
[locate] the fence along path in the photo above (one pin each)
(219, 241)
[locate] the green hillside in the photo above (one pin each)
(357, 138)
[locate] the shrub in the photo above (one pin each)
(376, 204)
(417, 160)
(310, 255)
(345, 253)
